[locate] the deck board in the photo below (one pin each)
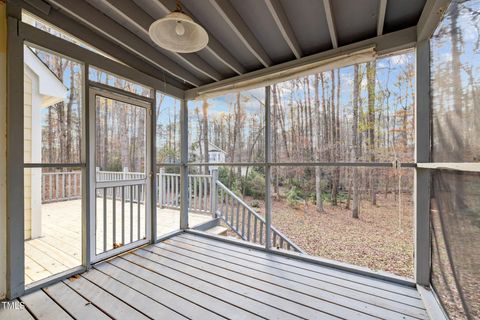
(326, 282)
(59, 247)
(19, 313)
(274, 293)
(316, 271)
(218, 305)
(216, 290)
(285, 280)
(103, 300)
(191, 276)
(43, 307)
(159, 294)
(143, 303)
(70, 300)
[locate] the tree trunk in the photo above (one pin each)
(205, 133)
(333, 144)
(275, 138)
(318, 153)
(371, 76)
(356, 146)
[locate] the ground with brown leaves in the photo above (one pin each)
(381, 239)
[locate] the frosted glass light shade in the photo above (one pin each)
(185, 38)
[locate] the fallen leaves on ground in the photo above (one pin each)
(375, 240)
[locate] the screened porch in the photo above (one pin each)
(231, 159)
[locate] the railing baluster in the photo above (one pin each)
(255, 229)
(114, 212)
(168, 190)
(172, 191)
(50, 187)
(190, 192)
(248, 225)
(138, 212)
(228, 208)
(63, 185)
(194, 193)
(205, 195)
(68, 185)
(261, 232)
(72, 186)
(123, 215)
(243, 222)
(238, 212)
(225, 209)
(225, 206)
(176, 191)
(104, 219)
(220, 206)
(281, 243)
(131, 213)
(203, 189)
(75, 193)
(162, 186)
(56, 186)
(232, 212)
(200, 193)
(274, 239)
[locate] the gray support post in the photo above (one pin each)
(422, 175)
(153, 169)
(184, 165)
(86, 184)
(15, 206)
(93, 178)
(268, 172)
(213, 192)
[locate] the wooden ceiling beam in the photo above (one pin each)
(96, 20)
(431, 16)
(236, 23)
(330, 23)
(385, 44)
(90, 37)
(382, 9)
(281, 20)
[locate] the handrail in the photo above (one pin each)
(204, 197)
(234, 225)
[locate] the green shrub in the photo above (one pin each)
(294, 197)
(255, 185)
(255, 204)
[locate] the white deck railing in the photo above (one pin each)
(206, 195)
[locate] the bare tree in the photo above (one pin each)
(356, 146)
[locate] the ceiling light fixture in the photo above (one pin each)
(178, 32)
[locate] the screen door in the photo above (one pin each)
(120, 213)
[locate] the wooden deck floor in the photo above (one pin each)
(194, 277)
(59, 249)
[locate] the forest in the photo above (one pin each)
(357, 114)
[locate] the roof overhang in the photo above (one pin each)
(50, 88)
(288, 40)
